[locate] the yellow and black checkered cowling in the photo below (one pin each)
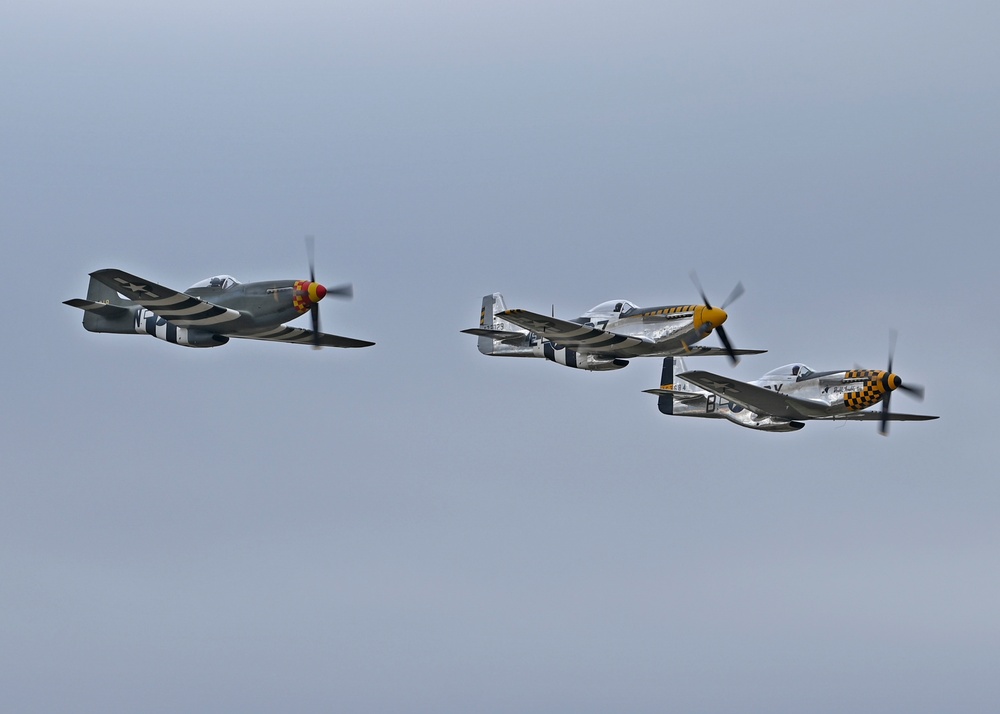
(877, 384)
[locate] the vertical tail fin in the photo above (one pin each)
(486, 320)
(99, 292)
(490, 319)
(665, 403)
(110, 319)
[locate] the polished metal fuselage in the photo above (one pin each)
(603, 338)
(834, 394)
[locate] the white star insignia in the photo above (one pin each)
(135, 287)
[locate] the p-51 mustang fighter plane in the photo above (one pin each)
(605, 337)
(210, 312)
(783, 398)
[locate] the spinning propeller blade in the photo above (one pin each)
(894, 382)
(311, 257)
(342, 291)
(733, 296)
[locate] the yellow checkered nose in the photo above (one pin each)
(710, 318)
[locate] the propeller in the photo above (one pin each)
(342, 291)
(894, 382)
(733, 296)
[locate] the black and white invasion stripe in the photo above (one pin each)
(185, 311)
(588, 339)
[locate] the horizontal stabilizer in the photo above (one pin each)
(98, 308)
(502, 335)
(682, 396)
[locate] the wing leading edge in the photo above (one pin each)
(878, 416)
(297, 335)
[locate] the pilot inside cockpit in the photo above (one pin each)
(218, 282)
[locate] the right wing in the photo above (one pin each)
(876, 415)
(297, 335)
(571, 334)
(757, 399)
(176, 307)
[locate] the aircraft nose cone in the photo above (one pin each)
(888, 381)
(316, 292)
(714, 315)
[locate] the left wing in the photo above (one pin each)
(757, 399)
(175, 307)
(284, 333)
(570, 334)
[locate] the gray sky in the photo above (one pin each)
(416, 527)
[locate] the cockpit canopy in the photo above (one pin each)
(794, 371)
(219, 282)
(611, 308)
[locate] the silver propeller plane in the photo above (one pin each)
(784, 398)
(209, 312)
(606, 336)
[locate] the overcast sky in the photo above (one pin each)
(418, 527)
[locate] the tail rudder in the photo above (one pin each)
(665, 392)
(496, 335)
(671, 388)
(665, 403)
(104, 310)
(99, 292)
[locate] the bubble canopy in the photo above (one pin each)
(794, 370)
(219, 282)
(610, 307)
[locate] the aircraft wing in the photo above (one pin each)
(876, 415)
(757, 399)
(284, 333)
(571, 334)
(176, 307)
(700, 351)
